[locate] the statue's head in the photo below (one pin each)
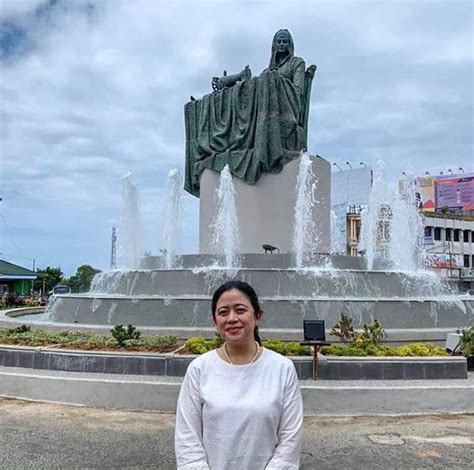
(283, 43)
(282, 46)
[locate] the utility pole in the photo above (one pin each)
(113, 249)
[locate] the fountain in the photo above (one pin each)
(176, 301)
(173, 219)
(224, 228)
(130, 234)
(406, 242)
(338, 229)
(392, 228)
(304, 234)
(374, 219)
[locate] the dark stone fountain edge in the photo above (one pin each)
(331, 368)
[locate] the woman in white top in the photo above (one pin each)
(240, 406)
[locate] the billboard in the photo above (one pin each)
(455, 192)
(426, 192)
(351, 187)
(444, 260)
(434, 193)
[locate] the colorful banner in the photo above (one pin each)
(454, 192)
(425, 188)
(444, 192)
(444, 260)
(424, 192)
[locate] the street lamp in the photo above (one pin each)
(461, 169)
(363, 164)
(449, 170)
(337, 166)
(427, 173)
(349, 165)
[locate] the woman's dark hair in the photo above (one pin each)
(248, 291)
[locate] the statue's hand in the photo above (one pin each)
(215, 83)
(227, 81)
(246, 73)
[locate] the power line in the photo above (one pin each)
(11, 236)
(13, 255)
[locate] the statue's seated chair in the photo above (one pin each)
(304, 116)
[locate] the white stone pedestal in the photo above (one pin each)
(265, 210)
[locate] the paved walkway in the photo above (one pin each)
(48, 436)
(159, 393)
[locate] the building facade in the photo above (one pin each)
(15, 279)
(448, 242)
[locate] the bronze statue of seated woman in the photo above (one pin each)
(254, 124)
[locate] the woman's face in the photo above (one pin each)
(235, 317)
(282, 43)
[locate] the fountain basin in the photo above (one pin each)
(279, 312)
(311, 282)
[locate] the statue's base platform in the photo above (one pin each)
(266, 210)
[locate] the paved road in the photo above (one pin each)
(47, 436)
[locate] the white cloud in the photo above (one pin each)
(12, 8)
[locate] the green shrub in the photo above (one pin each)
(372, 350)
(296, 349)
(414, 349)
(338, 350)
(275, 345)
(124, 335)
(333, 350)
(166, 341)
(200, 345)
(343, 329)
(419, 349)
(19, 330)
(23, 335)
(373, 332)
(466, 341)
(291, 348)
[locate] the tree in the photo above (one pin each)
(47, 279)
(81, 281)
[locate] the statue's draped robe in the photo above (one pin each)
(254, 126)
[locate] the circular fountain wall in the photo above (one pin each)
(178, 300)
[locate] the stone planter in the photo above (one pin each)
(470, 363)
(175, 365)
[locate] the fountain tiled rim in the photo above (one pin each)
(174, 365)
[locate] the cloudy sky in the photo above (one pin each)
(93, 89)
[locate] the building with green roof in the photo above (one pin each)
(15, 279)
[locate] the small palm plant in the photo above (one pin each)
(344, 330)
(466, 345)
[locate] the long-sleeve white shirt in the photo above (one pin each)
(245, 417)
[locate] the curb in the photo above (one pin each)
(143, 364)
(322, 398)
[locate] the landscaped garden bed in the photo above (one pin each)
(199, 345)
(23, 336)
(121, 339)
(75, 351)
